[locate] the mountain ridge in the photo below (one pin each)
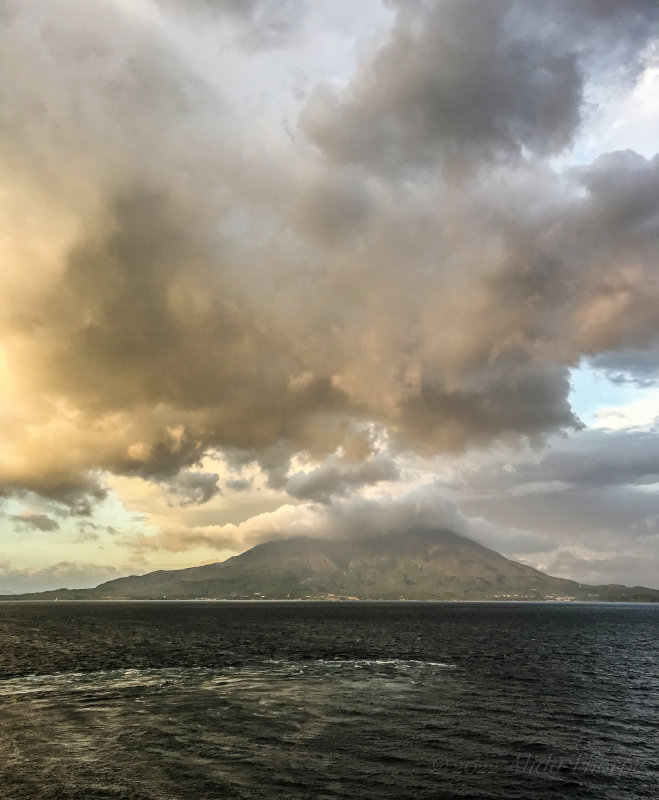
(426, 564)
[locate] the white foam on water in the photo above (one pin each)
(398, 663)
(85, 681)
(73, 682)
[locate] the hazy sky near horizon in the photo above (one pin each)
(271, 268)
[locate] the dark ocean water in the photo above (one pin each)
(318, 700)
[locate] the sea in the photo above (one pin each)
(221, 700)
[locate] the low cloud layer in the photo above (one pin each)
(422, 508)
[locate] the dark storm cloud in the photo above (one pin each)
(524, 398)
(77, 497)
(590, 458)
(194, 488)
(460, 81)
(199, 280)
(335, 477)
(621, 222)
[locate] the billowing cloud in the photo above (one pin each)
(460, 81)
(191, 268)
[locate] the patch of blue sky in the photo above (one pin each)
(591, 391)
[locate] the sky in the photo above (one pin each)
(327, 268)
